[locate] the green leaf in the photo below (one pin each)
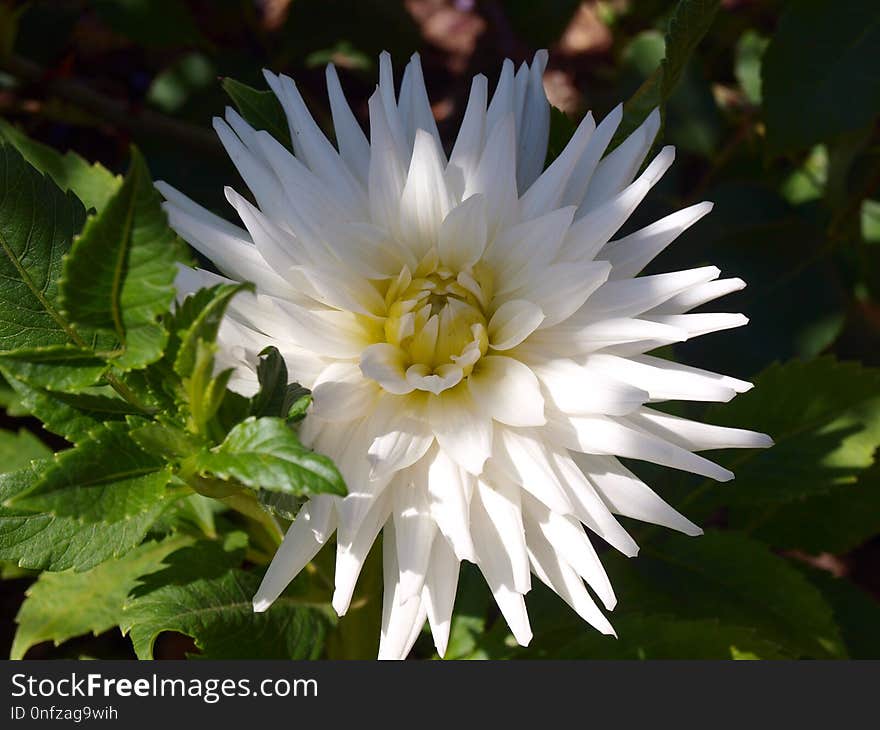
(92, 183)
(272, 375)
(836, 522)
(119, 274)
(856, 612)
(689, 22)
(261, 109)
(198, 319)
(265, 453)
(41, 540)
(71, 415)
(652, 637)
(37, 223)
(19, 448)
(218, 614)
(725, 576)
(56, 367)
(825, 418)
(105, 478)
(832, 89)
(202, 560)
(747, 67)
(98, 594)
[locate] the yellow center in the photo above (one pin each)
(436, 317)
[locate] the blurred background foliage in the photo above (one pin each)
(775, 118)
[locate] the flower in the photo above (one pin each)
(474, 338)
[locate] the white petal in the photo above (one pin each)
(589, 507)
(632, 253)
(512, 322)
(310, 530)
(618, 169)
(547, 191)
(533, 125)
(402, 438)
(494, 563)
(524, 458)
(438, 595)
(414, 106)
(386, 364)
(495, 176)
(627, 495)
(469, 143)
(503, 99)
(697, 295)
(507, 391)
(425, 201)
(592, 231)
(631, 297)
(401, 621)
(571, 544)
(696, 436)
(462, 236)
(387, 171)
(350, 557)
(570, 338)
(523, 252)
(563, 288)
(414, 530)
(450, 494)
(562, 579)
(342, 393)
(575, 389)
(501, 502)
(583, 172)
(315, 148)
(353, 146)
(461, 429)
(701, 324)
(603, 435)
(234, 254)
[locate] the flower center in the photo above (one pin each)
(436, 320)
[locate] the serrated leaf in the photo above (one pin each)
(265, 454)
(197, 319)
(98, 594)
(119, 274)
(56, 367)
(105, 478)
(836, 522)
(92, 183)
(688, 24)
(825, 418)
(19, 448)
(43, 541)
(201, 560)
(261, 109)
(731, 578)
(71, 415)
(835, 88)
(856, 611)
(37, 223)
(218, 614)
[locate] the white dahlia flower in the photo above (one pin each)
(474, 338)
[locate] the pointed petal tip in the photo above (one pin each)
(261, 604)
